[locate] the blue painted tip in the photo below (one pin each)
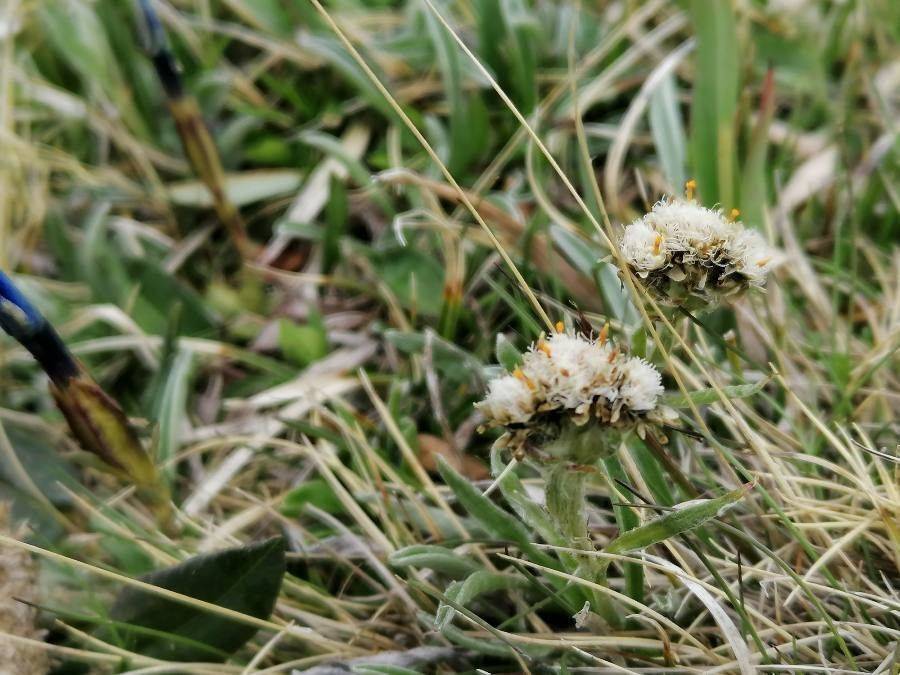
(9, 293)
(155, 33)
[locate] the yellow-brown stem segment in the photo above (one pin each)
(203, 156)
(101, 427)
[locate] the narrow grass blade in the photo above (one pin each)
(715, 101)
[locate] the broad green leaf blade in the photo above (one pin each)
(659, 482)
(522, 50)
(159, 292)
(707, 396)
(269, 15)
(686, 517)
(586, 260)
(245, 579)
(45, 468)
(452, 361)
(415, 277)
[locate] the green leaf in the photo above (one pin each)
(437, 558)
(245, 580)
(707, 396)
(528, 510)
(268, 15)
(25, 507)
(414, 277)
(74, 30)
(241, 188)
(336, 213)
(651, 472)
(668, 132)
(685, 517)
(754, 196)
(453, 362)
(46, 469)
(331, 50)
(524, 34)
(715, 101)
(496, 522)
(335, 148)
(478, 583)
(585, 258)
(627, 520)
(159, 293)
(303, 344)
(507, 355)
(172, 408)
(468, 116)
(316, 492)
(378, 669)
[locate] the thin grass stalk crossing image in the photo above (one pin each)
(418, 336)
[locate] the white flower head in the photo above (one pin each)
(641, 386)
(643, 248)
(567, 382)
(509, 400)
(690, 255)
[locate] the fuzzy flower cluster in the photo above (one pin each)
(692, 256)
(568, 381)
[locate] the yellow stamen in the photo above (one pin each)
(560, 327)
(544, 347)
(604, 334)
(657, 243)
(734, 213)
(689, 188)
(763, 262)
(519, 375)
